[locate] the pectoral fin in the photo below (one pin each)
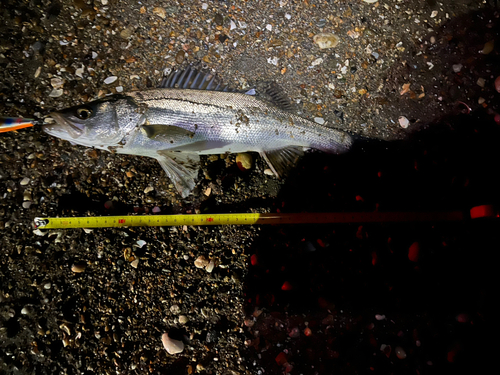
(167, 133)
(182, 169)
(282, 160)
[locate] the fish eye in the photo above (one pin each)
(83, 113)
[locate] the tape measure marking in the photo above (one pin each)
(245, 219)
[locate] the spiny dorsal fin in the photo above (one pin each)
(282, 160)
(194, 79)
(279, 99)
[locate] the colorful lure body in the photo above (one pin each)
(8, 124)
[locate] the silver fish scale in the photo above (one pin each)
(247, 123)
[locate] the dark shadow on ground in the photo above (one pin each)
(334, 279)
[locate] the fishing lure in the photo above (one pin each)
(8, 124)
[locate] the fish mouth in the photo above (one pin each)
(60, 123)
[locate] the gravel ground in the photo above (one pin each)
(415, 79)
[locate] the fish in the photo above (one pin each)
(191, 114)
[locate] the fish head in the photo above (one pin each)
(101, 123)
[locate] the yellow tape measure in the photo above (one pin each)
(244, 219)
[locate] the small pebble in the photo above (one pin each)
(204, 6)
(156, 210)
(317, 61)
(78, 267)
(379, 317)
(480, 82)
(480, 100)
(26, 205)
(244, 161)
(218, 19)
(110, 80)
(370, 1)
(25, 181)
(38, 47)
(386, 349)
(201, 262)
(268, 172)
(179, 58)
(126, 33)
(47, 286)
(148, 189)
(160, 12)
(273, 60)
(457, 67)
(183, 319)
(319, 120)
(57, 83)
(488, 47)
(403, 122)
(135, 263)
(400, 353)
(210, 266)
(141, 243)
(413, 252)
(172, 346)
(79, 72)
(321, 23)
(56, 93)
(175, 309)
(38, 232)
(326, 40)
(294, 333)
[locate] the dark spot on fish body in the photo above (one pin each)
(277, 132)
(195, 126)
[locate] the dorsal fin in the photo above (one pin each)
(194, 79)
(279, 99)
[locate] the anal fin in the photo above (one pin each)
(182, 169)
(282, 160)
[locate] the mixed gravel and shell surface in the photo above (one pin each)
(417, 83)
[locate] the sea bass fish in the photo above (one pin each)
(191, 115)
